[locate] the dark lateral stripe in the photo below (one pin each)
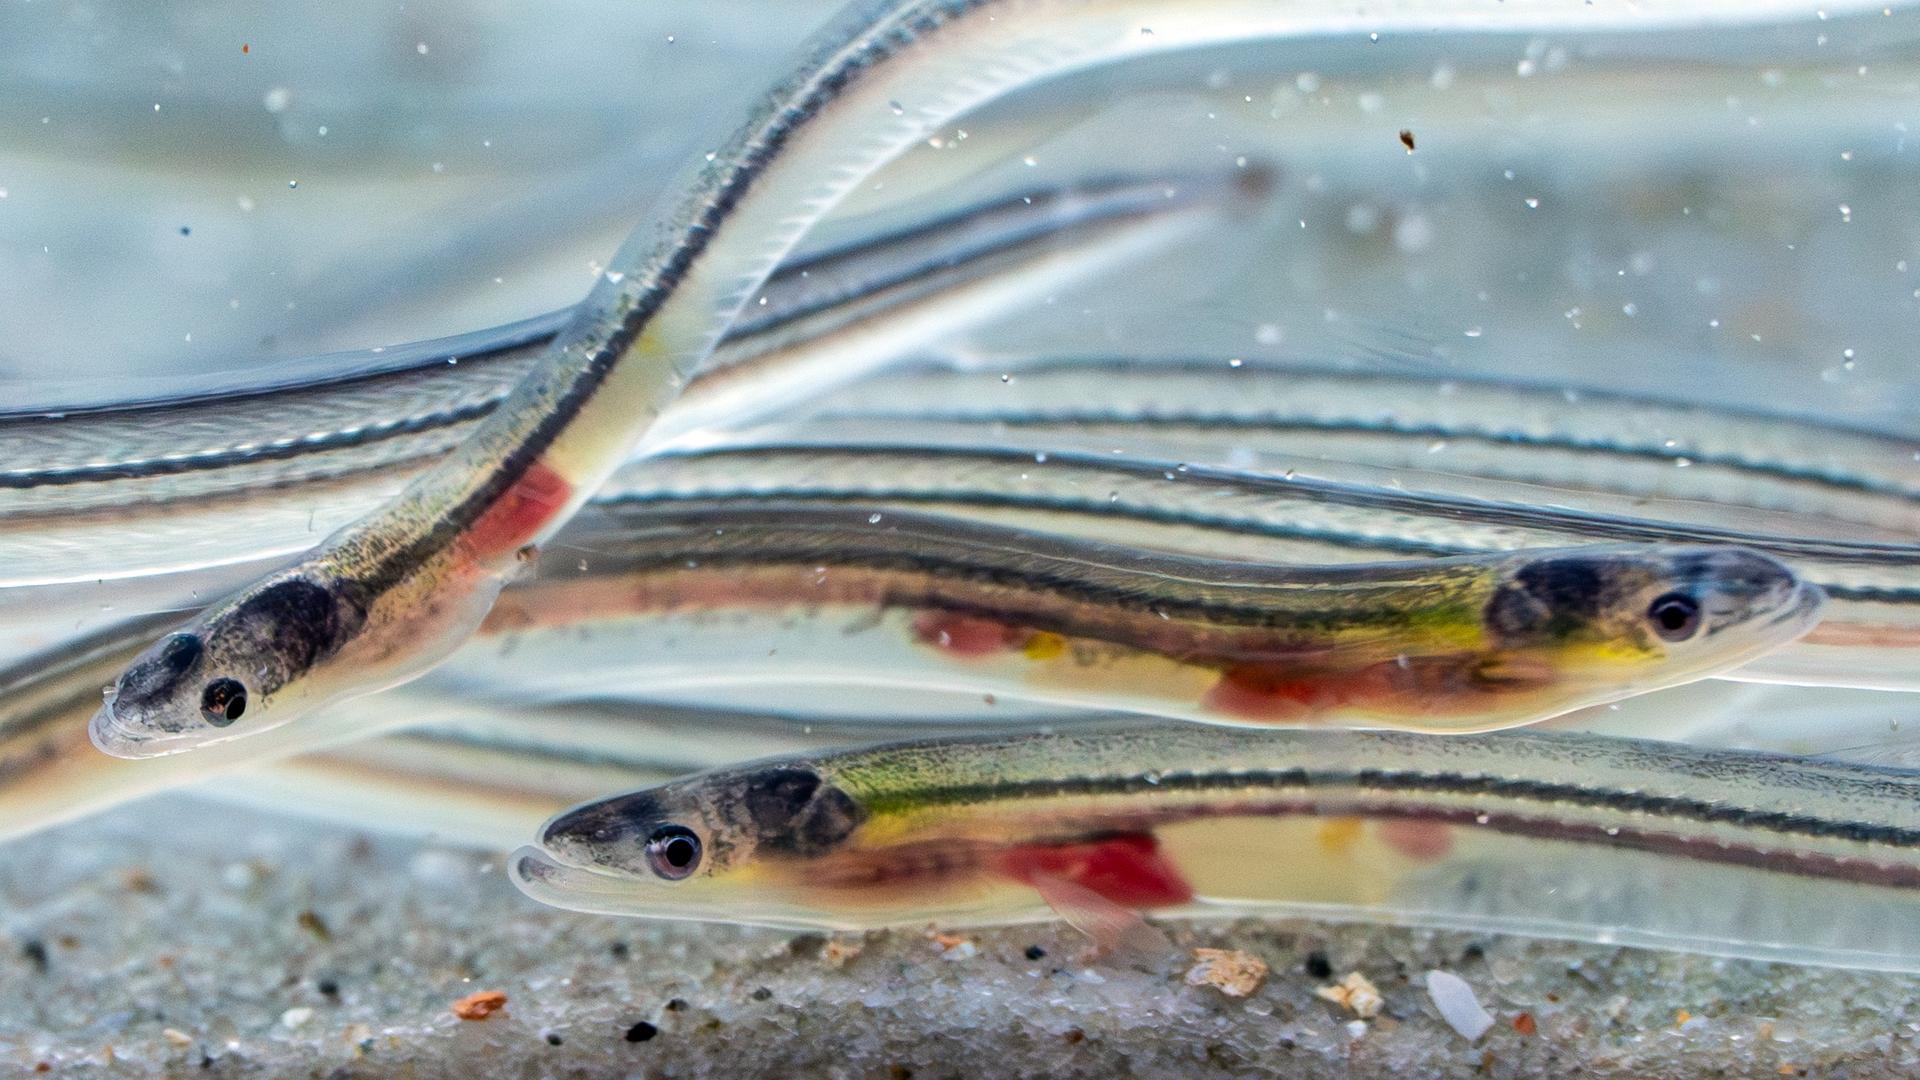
(369, 435)
(1135, 590)
(1040, 215)
(1591, 527)
(1672, 807)
(1150, 417)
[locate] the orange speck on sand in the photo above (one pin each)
(1423, 841)
(480, 1004)
(245, 48)
(1523, 1023)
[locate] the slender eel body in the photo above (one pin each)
(1427, 428)
(660, 598)
(1565, 836)
(390, 596)
(891, 598)
(1867, 638)
(152, 486)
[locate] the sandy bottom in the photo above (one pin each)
(180, 937)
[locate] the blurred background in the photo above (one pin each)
(219, 188)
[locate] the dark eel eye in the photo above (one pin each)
(223, 702)
(1675, 616)
(673, 852)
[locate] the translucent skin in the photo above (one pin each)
(414, 576)
(1443, 645)
(837, 600)
(1581, 837)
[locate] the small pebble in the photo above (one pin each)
(1232, 972)
(296, 1016)
(1318, 965)
(176, 1037)
(641, 1032)
(1458, 1005)
(1356, 994)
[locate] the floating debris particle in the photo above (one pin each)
(1230, 971)
(312, 923)
(480, 1004)
(1356, 994)
(839, 953)
(1457, 1004)
(1406, 139)
(641, 1032)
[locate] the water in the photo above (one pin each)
(1726, 218)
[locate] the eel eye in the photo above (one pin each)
(223, 702)
(673, 852)
(1675, 616)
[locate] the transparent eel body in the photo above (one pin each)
(1866, 639)
(148, 485)
(391, 595)
(1552, 835)
(1670, 458)
(853, 597)
(468, 765)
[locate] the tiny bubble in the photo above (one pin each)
(420, 47)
